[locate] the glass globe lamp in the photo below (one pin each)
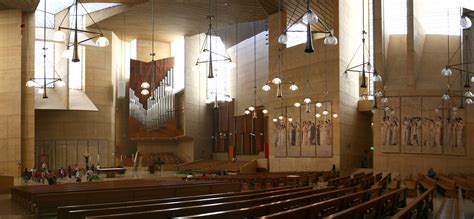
(307, 100)
(280, 117)
(465, 22)
(330, 40)
(275, 120)
(290, 119)
(446, 72)
(102, 42)
(247, 112)
(446, 97)
(325, 112)
(297, 104)
(251, 108)
(310, 17)
(469, 101)
(334, 115)
(318, 104)
(264, 111)
(30, 83)
(145, 85)
(283, 38)
(293, 87)
(266, 87)
(145, 92)
(276, 80)
(317, 115)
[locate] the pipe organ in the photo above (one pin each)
(154, 113)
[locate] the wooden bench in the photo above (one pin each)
(44, 199)
(328, 198)
(447, 186)
(62, 211)
(418, 208)
(379, 207)
(412, 187)
(111, 171)
(199, 209)
(451, 208)
(425, 182)
(394, 185)
(322, 209)
(79, 212)
(466, 185)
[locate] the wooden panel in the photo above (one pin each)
(72, 156)
(142, 71)
(104, 153)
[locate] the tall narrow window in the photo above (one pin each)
(395, 14)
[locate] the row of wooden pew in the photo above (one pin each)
(248, 204)
(45, 199)
(269, 180)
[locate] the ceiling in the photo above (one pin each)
(24, 5)
(325, 9)
(174, 18)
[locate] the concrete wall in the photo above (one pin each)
(354, 127)
(16, 113)
(197, 114)
(54, 125)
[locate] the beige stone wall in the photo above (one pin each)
(354, 127)
(16, 113)
(27, 94)
(197, 114)
(162, 50)
(412, 67)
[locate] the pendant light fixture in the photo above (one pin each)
(45, 81)
(366, 67)
(322, 106)
(226, 96)
(309, 18)
(465, 21)
(149, 87)
(252, 108)
(278, 80)
(207, 56)
(307, 90)
(60, 34)
(463, 68)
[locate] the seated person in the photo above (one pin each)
(432, 174)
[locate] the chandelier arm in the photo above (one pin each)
(89, 15)
(81, 31)
(65, 15)
(454, 54)
(294, 22)
(352, 58)
(291, 17)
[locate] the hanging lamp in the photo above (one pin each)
(366, 67)
(208, 56)
(45, 81)
(60, 34)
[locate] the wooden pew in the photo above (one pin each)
(425, 182)
(451, 208)
(378, 177)
(42, 199)
(379, 207)
(164, 204)
(418, 208)
(63, 211)
(275, 207)
(199, 209)
(412, 187)
(447, 186)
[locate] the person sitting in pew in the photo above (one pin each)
(432, 174)
(51, 178)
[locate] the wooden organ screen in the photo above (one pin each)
(238, 131)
